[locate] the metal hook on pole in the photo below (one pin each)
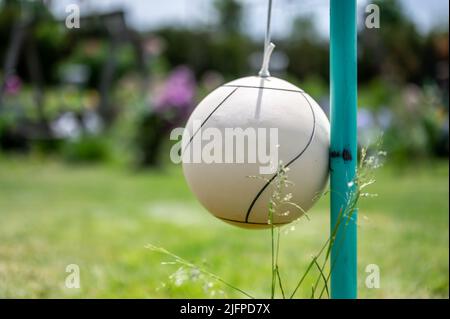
(268, 45)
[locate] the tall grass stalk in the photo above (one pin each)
(183, 262)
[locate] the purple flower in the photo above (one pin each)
(13, 85)
(178, 91)
(365, 119)
(385, 118)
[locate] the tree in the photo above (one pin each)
(394, 50)
(230, 16)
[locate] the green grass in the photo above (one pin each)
(102, 217)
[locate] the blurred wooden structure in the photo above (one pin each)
(23, 44)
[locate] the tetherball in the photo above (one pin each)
(223, 182)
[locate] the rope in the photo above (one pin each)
(268, 45)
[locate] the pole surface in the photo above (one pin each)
(343, 152)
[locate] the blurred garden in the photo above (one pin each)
(85, 173)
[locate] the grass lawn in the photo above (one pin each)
(101, 218)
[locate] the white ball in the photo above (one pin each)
(225, 189)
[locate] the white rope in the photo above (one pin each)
(268, 46)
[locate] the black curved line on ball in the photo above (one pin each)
(287, 165)
(250, 223)
(262, 87)
(207, 118)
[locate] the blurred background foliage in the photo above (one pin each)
(107, 95)
(90, 93)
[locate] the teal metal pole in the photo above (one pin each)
(343, 150)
